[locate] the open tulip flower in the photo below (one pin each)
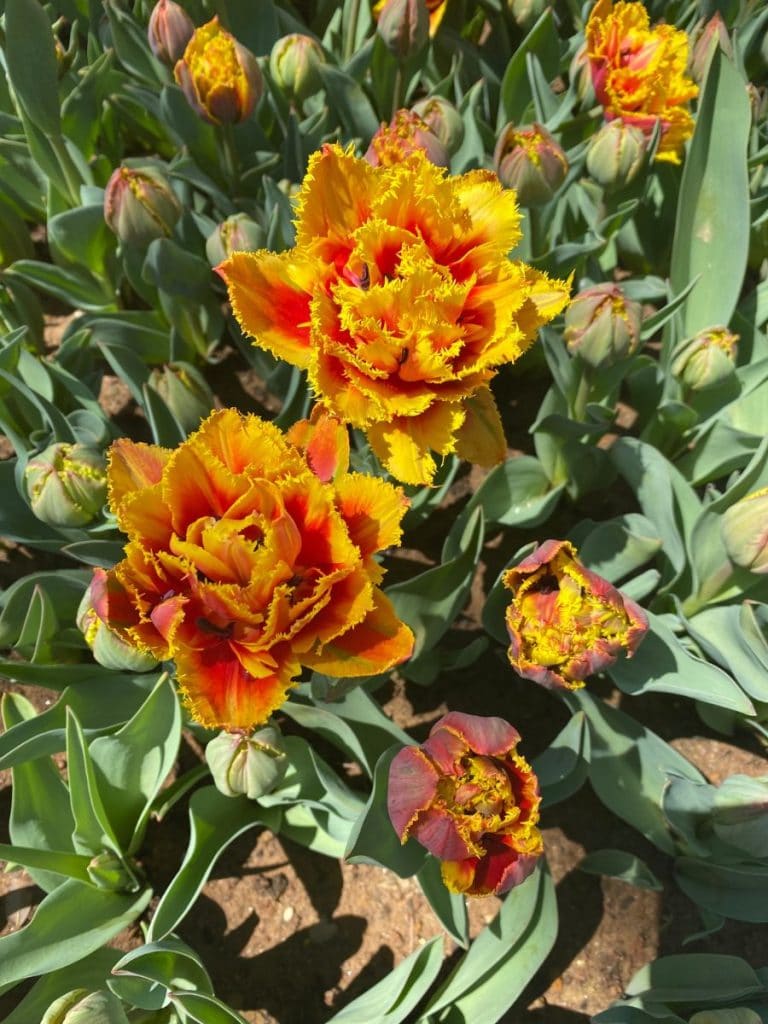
(400, 302)
(248, 558)
(471, 800)
(564, 622)
(638, 73)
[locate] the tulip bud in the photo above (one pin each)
(443, 120)
(404, 27)
(169, 31)
(530, 161)
(107, 647)
(580, 74)
(294, 64)
(185, 391)
(743, 1015)
(108, 871)
(525, 12)
(602, 326)
(66, 484)
(237, 233)
(706, 360)
(252, 765)
(706, 37)
(140, 205)
(616, 153)
(83, 1007)
(405, 134)
(744, 534)
(220, 78)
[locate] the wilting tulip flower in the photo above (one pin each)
(185, 391)
(170, 29)
(405, 134)
(107, 647)
(529, 160)
(140, 205)
(602, 325)
(248, 558)
(66, 484)
(80, 1006)
(564, 622)
(638, 73)
(707, 360)
(707, 37)
(744, 531)
(249, 765)
(401, 303)
(443, 120)
(219, 77)
(616, 154)
(294, 64)
(471, 800)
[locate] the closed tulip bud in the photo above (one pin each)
(169, 31)
(443, 120)
(294, 64)
(405, 134)
(602, 326)
(83, 1007)
(743, 1015)
(404, 27)
(251, 765)
(185, 391)
(580, 75)
(706, 37)
(707, 360)
(237, 233)
(220, 78)
(616, 153)
(106, 646)
(530, 161)
(140, 205)
(525, 12)
(66, 484)
(108, 871)
(744, 534)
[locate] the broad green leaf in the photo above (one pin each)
(516, 95)
(201, 1008)
(74, 286)
(712, 230)
(146, 975)
(57, 862)
(517, 493)
(30, 58)
(89, 973)
(738, 815)
(499, 597)
(166, 429)
(82, 236)
(696, 978)
(624, 866)
(450, 908)
(737, 890)
(620, 546)
(563, 767)
(71, 922)
(132, 764)
(214, 821)
(93, 830)
(726, 635)
(393, 999)
(351, 105)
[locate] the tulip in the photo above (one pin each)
(602, 326)
(616, 154)
(403, 25)
(83, 1007)
(140, 205)
(106, 646)
(530, 161)
(169, 31)
(443, 120)
(251, 765)
(219, 76)
(66, 484)
(405, 134)
(744, 533)
(238, 233)
(706, 360)
(294, 64)
(185, 391)
(707, 37)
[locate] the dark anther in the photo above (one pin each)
(208, 627)
(403, 356)
(365, 278)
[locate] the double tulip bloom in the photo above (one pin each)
(219, 76)
(471, 800)
(565, 622)
(250, 556)
(400, 302)
(638, 73)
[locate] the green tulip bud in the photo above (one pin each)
(616, 153)
(744, 534)
(185, 391)
(580, 74)
(706, 360)
(253, 765)
(602, 325)
(66, 484)
(706, 37)
(237, 233)
(530, 161)
(740, 1016)
(107, 871)
(140, 205)
(83, 1007)
(107, 647)
(443, 120)
(170, 29)
(404, 27)
(294, 64)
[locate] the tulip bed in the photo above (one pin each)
(384, 400)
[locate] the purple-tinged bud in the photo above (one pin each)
(705, 39)
(294, 65)
(220, 78)
(404, 27)
(237, 233)
(530, 161)
(247, 765)
(443, 120)
(67, 484)
(169, 31)
(616, 153)
(744, 531)
(140, 205)
(706, 360)
(185, 391)
(602, 325)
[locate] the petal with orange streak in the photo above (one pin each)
(372, 509)
(270, 295)
(480, 439)
(325, 440)
(404, 444)
(247, 444)
(493, 209)
(335, 196)
(132, 467)
(376, 645)
(197, 484)
(145, 516)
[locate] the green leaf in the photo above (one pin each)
(132, 764)
(214, 821)
(205, 1009)
(166, 429)
(373, 839)
(93, 830)
(450, 908)
(730, 636)
(30, 58)
(58, 862)
(130, 43)
(563, 767)
(162, 967)
(71, 922)
(499, 597)
(516, 95)
(621, 865)
(712, 230)
(517, 493)
(737, 890)
(701, 978)
(89, 973)
(82, 237)
(75, 286)
(393, 999)
(620, 546)
(349, 103)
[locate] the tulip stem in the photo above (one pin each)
(178, 789)
(397, 89)
(230, 155)
(351, 34)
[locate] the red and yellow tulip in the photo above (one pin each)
(400, 302)
(248, 558)
(219, 76)
(471, 800)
